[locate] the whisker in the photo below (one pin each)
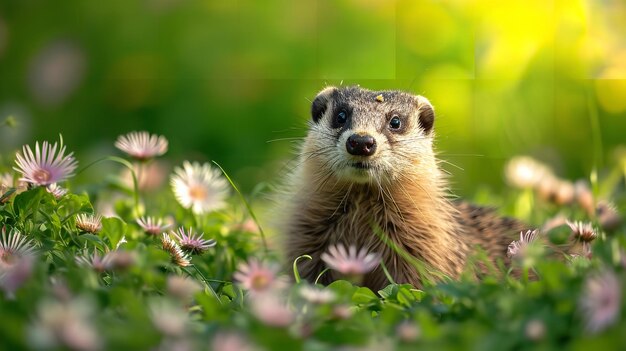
(451, 164)
(284, 139)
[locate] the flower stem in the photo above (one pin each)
(206, 282)
(248, 207)
(296, 274)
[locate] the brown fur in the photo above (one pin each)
(404, 195)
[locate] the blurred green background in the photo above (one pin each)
(220, 79)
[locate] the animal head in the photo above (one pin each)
(366, 136)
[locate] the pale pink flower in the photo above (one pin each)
(176, 253)
(182, 288)
(191, 242)
(258, 277)
(582, 231)
(12, 247)
(316, 295)
(518, 247)
(142, 145)
(230, 341)
(152, 226)
(97, 262)
(535, 329)
(408, 331)
(45, 166)
(66, 325)
(168, 318)
(121, 259)
(17, 254)
(150, 175)
(350, 262)
(14, 277)
(56, 191)
(90, 223)
(199, 187)
(342, 312)
(271, 310)
(600, 302)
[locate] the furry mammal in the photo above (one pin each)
(368, 164)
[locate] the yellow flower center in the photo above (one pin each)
(6, 259)
(197, 192)
(260, 281)
(42, 175)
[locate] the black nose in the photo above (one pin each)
(361, 145)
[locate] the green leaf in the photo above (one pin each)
(418, 294)
(113, 229)
(71, 204)
(342, 287)
(389, 291)
(7, 194)
(94, 239)
(404, 296)
(363, 295)
(27, 202)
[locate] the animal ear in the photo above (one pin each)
(320, 103)
(426, 114)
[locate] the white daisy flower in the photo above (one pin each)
(199, 187)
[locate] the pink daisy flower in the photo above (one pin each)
(56, 191)
(191, 242)
(231, 341)
(601, 300)
(45, 166)
(95, 261)
(257, 277)
(350, 262)
(272, 311)
(582, 231)
(152, 226)
(518, 246)
(13, 247)
(142, 145)
(90, 223)
(179, 257)
(16, 261)
(316, 295)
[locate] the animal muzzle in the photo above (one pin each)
(361, 145)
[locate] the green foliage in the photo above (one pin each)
(131, 302)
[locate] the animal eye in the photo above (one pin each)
(342, 117)
(395, 122)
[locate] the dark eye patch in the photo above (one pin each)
(318, 107)
(341, 116)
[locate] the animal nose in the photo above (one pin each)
(361, 145)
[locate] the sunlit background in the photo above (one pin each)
(223, 79)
